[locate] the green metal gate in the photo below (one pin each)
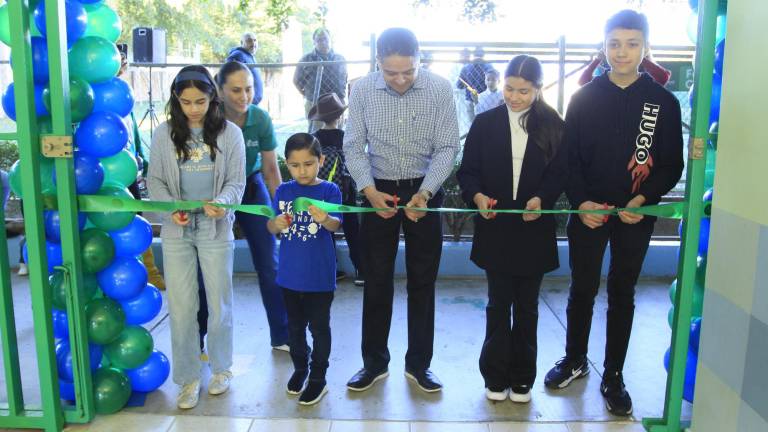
(51, 415)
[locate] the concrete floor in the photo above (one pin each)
(260, 373)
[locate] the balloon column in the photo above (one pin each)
(709, 177)
(119, 299)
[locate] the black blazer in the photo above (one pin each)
(507, 243)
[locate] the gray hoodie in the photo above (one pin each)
(228, 177)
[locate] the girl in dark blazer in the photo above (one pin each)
(512, 160)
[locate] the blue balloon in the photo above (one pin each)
(704, 237)
(150, 375)
(60, 326)
(101, 134)
(52, 251)
(76, 19)
(144, 307)
(714, 107)
(123, 279)
(64, 359)
(52, 224)
(9, 103)
(134, 239)
(89, 173)
(719, 57)
(114, 95)
(67, 390)
(40, 59)
(695, 336)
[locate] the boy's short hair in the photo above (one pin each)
(492, 72)
(628, 19)
(397, 41)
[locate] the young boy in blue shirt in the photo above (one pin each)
(307, 267)
(624, 140)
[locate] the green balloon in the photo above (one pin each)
(97, 250)
(131, 349)
(120, 170)
(105, 319)
(103, 21)
(59, 286)
(709, 170)
(110, 221)
(80, 98)
(111, 390)
(46, 177)
(94, 59)
(697, 305)
(714, 131)
(5, 25)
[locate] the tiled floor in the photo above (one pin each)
(257, 400)
(131, 422)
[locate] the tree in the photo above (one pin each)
(474, 11)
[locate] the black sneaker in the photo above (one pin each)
(365, 379)
(520, 394)
(565, 371)
(296, 383)
(315, 391)
(426, 380)
(340, 275)
(617, 399)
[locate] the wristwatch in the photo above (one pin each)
(427, 195)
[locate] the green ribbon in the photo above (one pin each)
(102, 204)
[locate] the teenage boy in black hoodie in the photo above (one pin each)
(624, 138)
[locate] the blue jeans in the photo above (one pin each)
(180, 261)
(263, 248)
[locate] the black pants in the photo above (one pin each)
(351, 225)
(629, 243)
(311, 309)
(423, 246)
(508, 357)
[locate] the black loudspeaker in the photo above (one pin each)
(149, 45)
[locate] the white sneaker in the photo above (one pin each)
(496, 395)
(23, 270)
(189, 395)
(520, 394)
(283, 347)
(219, 383)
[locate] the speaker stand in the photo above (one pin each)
(150, 112)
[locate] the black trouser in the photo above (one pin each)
(423, 246)
(508, 357)
(202, 311)
(311, 309)
(629, 243)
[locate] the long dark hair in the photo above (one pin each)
(199, 78)
(541, 121)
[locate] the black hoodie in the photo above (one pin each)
(622, 142)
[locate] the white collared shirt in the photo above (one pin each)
(519, 142)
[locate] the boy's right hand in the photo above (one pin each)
(484, 202)
(593, 220)
(180, 218)
(283, 221)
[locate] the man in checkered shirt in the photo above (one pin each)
(400, 143)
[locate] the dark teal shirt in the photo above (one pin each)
(259, 136)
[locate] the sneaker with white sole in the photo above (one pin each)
(23, 270)
(283, 348)
(219, 384)
(314, 391)
(565, 371)
(189, 395)
(496, 395)
(520, 394)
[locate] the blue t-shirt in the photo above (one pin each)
(307, 254)
(196, 173)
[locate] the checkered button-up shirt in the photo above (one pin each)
(394, 137)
